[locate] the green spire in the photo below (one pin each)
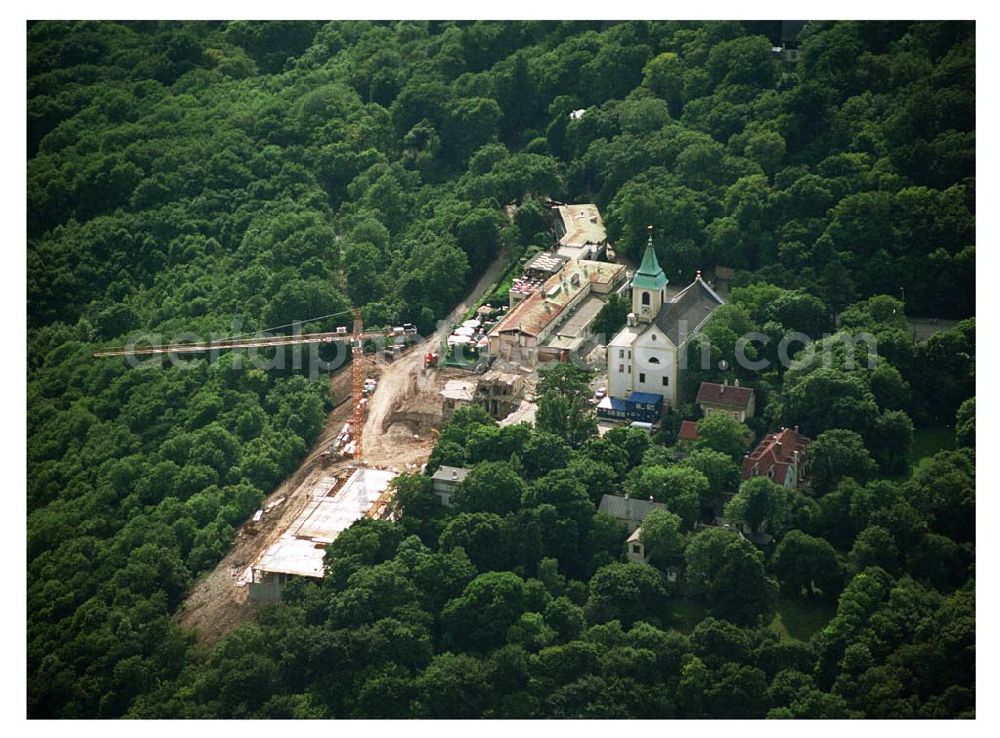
(649, 276)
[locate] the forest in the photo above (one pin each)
(221, 177)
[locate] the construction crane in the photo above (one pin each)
(357, 337)
(256, 341)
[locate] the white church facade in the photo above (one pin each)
(646, 357)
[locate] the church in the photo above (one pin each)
(647, 356)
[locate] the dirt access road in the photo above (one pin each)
(405, 377)
(215, 605)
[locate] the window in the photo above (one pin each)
(652, 336)
(621, 368)
(636, 548)
(645, 298)
(666, 381)
(653, 360)
(642, 377)
(621, 353)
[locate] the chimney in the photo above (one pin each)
(454, 473)
(626, 495)
(631, 320)
(777, 448)
(651, 498)
(736, 383)
(796, 430)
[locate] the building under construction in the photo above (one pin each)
(331, 508)
(499, 393)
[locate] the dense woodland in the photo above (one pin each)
(183, 176)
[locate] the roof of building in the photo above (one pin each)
(575, 331)
(648, 398)
(301, 548)
(688, 311)
(627, 508)
(636, 536)
(458, 389)
(546, 262)
(495, 376)
(776, 453)
(724, 395)
(532, 315)
(450, 474)
(582, 225)
(649, 275)
(627, 335)
(688, 431)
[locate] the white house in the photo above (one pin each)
(635, 549)
(446, 480)
(648, 354)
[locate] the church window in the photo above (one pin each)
(645, 298)
(654, 360)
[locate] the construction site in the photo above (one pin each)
(333, 504)
(389, 406)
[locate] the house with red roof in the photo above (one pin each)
(781, 457)
(730, 399)
(688, 431)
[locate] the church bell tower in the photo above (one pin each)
(649, 285)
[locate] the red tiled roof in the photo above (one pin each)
(531, 317)
(732, 396)
(689, 431)
(776, 452)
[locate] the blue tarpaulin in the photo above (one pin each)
(641, 406)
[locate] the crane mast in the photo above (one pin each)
(357, 386)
